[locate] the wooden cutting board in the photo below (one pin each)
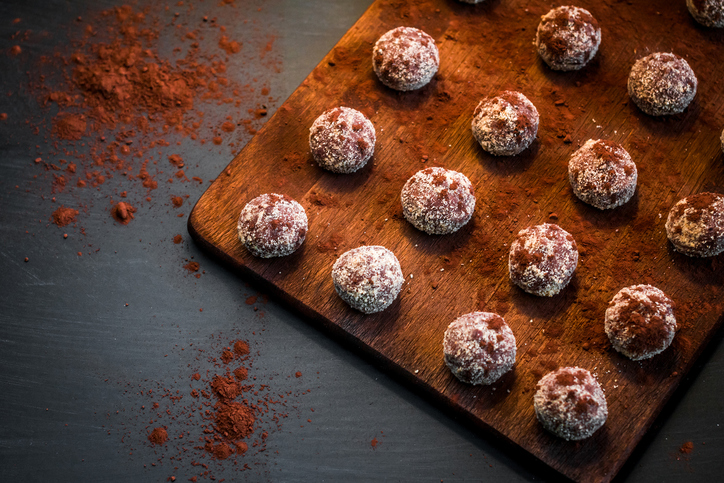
(485, 49)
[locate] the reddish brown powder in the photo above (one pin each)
(63, 216)
(158, 436)
(241, 348)
(178, 239)
(123, 212)
(687, 447)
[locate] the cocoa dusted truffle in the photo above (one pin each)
(709, 13)
(505, 125)
(567, 38)
(695, 225)
(342, 140)
(368, 278)
(272, 225)
(542, 259)
(405, 58)
(479, 347)
(570, 403)
(438, 201)
(602, 174)
(640, 321)
(661, 84)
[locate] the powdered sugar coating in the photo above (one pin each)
(709, 13)
(479, 347)
(602, 174)
(695, 225)
(640, 321)
(342, 140)
(570, 403)
(438, 201)
(661, 84)
(405, 58)
(368, 278)
(505, 125)
(272, 225)
(567, 38)
(542, 259)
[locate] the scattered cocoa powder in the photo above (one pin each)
(121, 101)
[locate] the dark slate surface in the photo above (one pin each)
(81, 336)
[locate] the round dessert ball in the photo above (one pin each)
(640, 321)
(709, 13)
(479, 347)
(342, 140)
(272, 225)
(438, 201)
(602, 174)
(405, 58)
(505, 125)
(695, 225)
(542, 259)
(570, 403)
(661, 84)
(567, 38)
(368, 278)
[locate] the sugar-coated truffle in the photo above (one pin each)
(368, 278)
(479, 347)
(602, 174)
(505, 125)
(438, 201)
(542, 259)
(405, 58)
(661, 84)
(342, 140)
(570, 403)
(567, 38)
(272, 225)
(640, 321)
(709, 13)
(695, 225)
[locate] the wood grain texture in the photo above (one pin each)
(485, 49)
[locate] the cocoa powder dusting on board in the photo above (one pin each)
(117, 106)
(212, 421)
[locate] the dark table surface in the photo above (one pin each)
(86, 340)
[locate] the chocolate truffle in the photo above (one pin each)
(661, 84)
(272, 225)
(342, 140)
(542, 259)
(709, 13)
(695, 225)
(570, 403)
(505, 125)
(368, 278)
(479, 347)
(438, 201)
(567, 38)
(405, 58)
(640, 321)
(602, 174)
